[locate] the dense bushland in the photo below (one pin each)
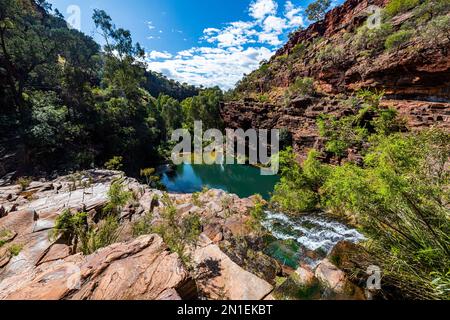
(68, 104)
(399, 195)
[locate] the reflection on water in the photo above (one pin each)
(242, 180)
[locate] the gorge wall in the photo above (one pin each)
(342, 55)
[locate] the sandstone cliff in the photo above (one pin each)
(342, 55)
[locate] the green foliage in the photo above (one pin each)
(395, 40)
(123, 71)
(441, 284)
(297, 190)
(50, 128)
(341, 133)
(76, 231)
(299, 49)
(15, 249)
(316, 10)
(118, 197)
(400, 200)
(157, 84)
(332, 55)
(438, 27)
(24, 182)
(301, 86)
(257, 215)
(115, 163)
(5, 236)
(69, 227)
(144, 225)
(152, 179)
(171, 114)
(196, 199)
(179, 233)
(106, 233)
(205, 107)
(354, 131)
(263, 98)
(395, 7)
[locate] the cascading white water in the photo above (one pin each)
(313, 232)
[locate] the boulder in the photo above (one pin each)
(21, 222)
(5, 256)
(331, 276)
(2, 212)
(141, 269)
(218, 277)
(337, 282)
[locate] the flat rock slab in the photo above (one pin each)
(220, 278)
(141, 269)
(90, 197)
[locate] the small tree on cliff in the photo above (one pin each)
(316, 11)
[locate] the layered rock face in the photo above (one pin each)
(300, 116)
(342, 55)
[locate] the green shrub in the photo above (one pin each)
(69, 226)
(115, 163)
(15, 249)
(117, 198)
(341, 133)
(151, 178)
(303, 86)
(354, 131)
(24, 182)
(400, 200)
(332, 55)
(75, 230)
(179, 233)
(257, 215)
(106, 233)
(395, 7)
(395, 40)
(371, 40)
(439, 27)
(299, 49)
(144, 225)
(196, 199)
(297, 190)
(263, 98)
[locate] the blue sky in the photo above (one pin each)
(201, 42)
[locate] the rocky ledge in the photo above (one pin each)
(33, 266)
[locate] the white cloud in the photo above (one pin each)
(234, 34)
(273, 23)
(154, 55)
(212, 66)
(209, 31)
(269, 38)
(150, 25)
(230, 51)
(259, 9)
(292, 13)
